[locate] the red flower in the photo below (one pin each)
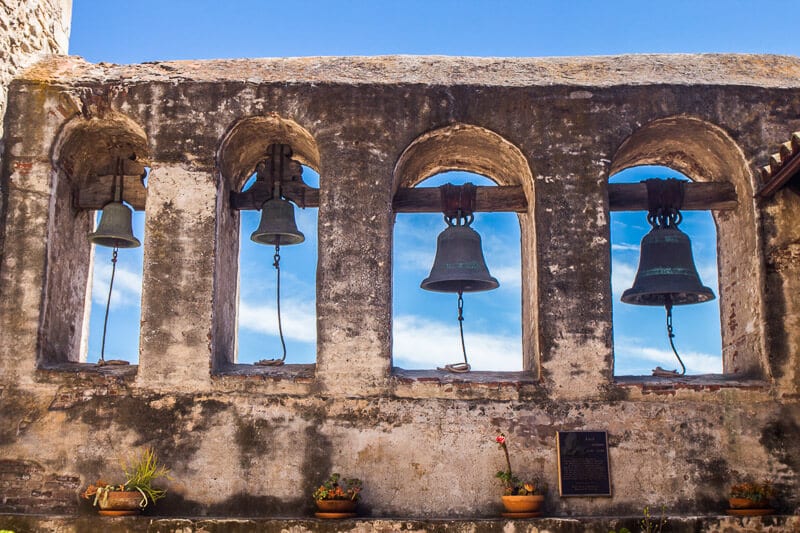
(500, 439)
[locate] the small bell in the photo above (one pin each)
(277, 224)
(115, 228)
(459, 265)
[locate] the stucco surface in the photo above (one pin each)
(255, 441)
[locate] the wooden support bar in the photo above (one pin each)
(96, 193)
(621, 196)
(428, 200)
(780, 178)
(718, 196)
(786, 151)
(775, 162)
(254, 197)
(795, 140)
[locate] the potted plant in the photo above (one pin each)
(136, 493)
(751, 498)
(337, 497)
(519, 497)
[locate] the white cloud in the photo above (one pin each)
(417, 259)
(625, 247)
(622, 276)
(509, 276)
(422, 343)
(127, 286)
(298, 319)
(632, 357)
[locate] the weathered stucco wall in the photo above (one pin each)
(29, 30)
(255, 441)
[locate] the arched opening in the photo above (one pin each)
(245, 319)
(640, 335)
(258, 335)
(93, 161)
(125, 306)
(704, 152)
(425, 333)
(500, 325)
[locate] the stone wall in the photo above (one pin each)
(30, 29)
(254, 441)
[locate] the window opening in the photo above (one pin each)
(641, 342)
(425, 328)
(258, 334)
(116, 338)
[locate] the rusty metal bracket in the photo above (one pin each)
(277, 167)
(664, 201)
(458, 201)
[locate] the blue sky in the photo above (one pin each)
(426, 332)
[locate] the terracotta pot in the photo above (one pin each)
(523, 504)
(747, 503)
(336, 506)
(120, 501)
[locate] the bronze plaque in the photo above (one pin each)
(583, 463)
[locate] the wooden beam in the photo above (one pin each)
(716, 196)
(780, 177)
(428, 200)
(260, 192)
(621, 197)
(96, 193)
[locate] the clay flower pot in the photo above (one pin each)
(747, 503)
(119, 503)
(523, 504)
(336, 508)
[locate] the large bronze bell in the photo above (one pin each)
(277, 224)
(667, 274)
(115, 228)
(459, 265)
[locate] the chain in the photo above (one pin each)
(671, 336)
(276, 262)
(102, 360)
(461, 325)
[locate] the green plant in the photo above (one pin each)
(336, 488)
(754, 491)
(647, 523)
(513, 485)
(651, 526)
(140, 471)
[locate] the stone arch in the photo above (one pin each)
(471, 148)
(241, 149)
(464, 147)
(246, 143)
(705, 152)
(86, 148)
(84, 152)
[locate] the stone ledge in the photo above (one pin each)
(677, 524)
(594, 71)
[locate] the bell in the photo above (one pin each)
(277, 224)
(667, 275)
(459, 265)
(115, 227)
